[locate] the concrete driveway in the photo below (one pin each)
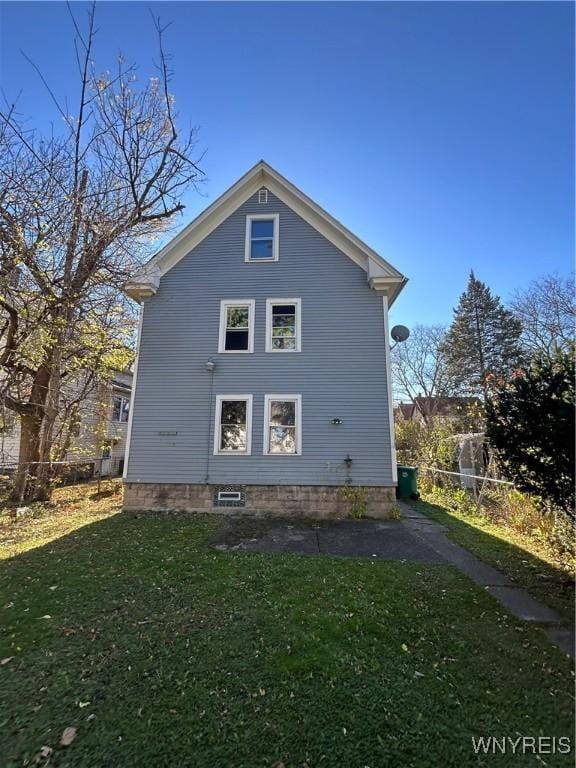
(390, 540)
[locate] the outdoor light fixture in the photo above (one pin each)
(337, 422)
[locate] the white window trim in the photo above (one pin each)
(217, 425)
(276, 238)
(269, 304)
(224, 304)
(298, 400)
(124, 399)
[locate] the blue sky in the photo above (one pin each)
(440, 133)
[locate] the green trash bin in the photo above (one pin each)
(407, 483)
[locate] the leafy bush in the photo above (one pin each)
(356, 497)
(423, 444)
(512, 509)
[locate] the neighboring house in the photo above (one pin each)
(263, 373)
(443, 408)
(116, 420)
(99, 431)
(404, 411)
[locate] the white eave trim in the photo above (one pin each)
(145, 282)
(263, 175)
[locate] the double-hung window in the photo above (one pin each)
(262, 237)
(233, 425)
(283, 425)
(283, 325)
(120, 408)
(236, 326)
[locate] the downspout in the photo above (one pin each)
(210, 367)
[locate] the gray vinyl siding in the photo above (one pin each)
(340, 372)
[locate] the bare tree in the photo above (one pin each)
(547, 312)
(78, 210)
(419, 365)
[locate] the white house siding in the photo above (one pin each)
(96, 427)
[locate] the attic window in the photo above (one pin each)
(263, 196)
(262, 238)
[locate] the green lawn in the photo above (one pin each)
(162, 652)
(524, 559)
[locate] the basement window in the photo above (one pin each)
(229, 496)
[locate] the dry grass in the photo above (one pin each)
(71, 507)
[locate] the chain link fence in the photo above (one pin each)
(56, 473)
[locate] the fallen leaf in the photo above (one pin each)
(404, 647)
(67, 737)
(46, 751)
(6, 660)
(45, 617)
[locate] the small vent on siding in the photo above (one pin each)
(262, 195)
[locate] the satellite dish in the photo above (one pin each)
(399, 333)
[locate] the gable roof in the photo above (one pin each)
(406, 410)
(381, 275)
(444, 406)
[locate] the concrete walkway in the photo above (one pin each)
(515, 599)
(415, 538)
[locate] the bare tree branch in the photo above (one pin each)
(79, 210)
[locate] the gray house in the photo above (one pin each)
(263, 374)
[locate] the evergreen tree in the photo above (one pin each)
(530, 419)
(483, 339)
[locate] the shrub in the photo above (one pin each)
(423, 444)
(520, 512)
(530, 421)
(356, 497)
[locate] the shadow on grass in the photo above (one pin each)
(132, 630)
(550, 584)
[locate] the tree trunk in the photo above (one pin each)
(30, 430)
(42, 489)
(32, 476)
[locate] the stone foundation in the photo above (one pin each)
(316, 501)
